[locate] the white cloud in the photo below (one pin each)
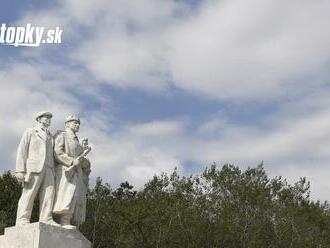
(224, 49)
(240, 49)
(134, 156)
(158, 129)
(126, 61)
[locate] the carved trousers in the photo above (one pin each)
(44, 184)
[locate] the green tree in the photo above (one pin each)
(221, 207)
(10, 191)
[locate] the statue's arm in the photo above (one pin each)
(22, 152)
(61, 156)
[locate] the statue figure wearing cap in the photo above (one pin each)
(35, 170)
(72, 171)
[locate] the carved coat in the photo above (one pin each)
(32, 154)
(35, 158)
(70, 190)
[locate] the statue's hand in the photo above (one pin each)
(88, 150)
(20, 176)
(76, 162)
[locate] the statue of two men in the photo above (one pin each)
(55, 168)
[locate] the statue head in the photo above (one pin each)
(84, 142)
(44, 118)
(72, 122)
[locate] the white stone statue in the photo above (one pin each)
(72, 171)
(35, 170)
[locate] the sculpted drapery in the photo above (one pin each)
(70, 183)
(35, 171)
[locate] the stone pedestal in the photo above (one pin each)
(40, 235)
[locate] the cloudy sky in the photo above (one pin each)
(177, 83)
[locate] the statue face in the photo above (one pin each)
(84, 142)
(45, 121)
(73, 125)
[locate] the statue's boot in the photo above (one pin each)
(65, 221)
(50, 222)
(22, 222)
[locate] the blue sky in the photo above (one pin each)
(164, 84)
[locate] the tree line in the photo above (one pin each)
(221, 207)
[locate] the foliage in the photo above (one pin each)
(219, 208)
(10, 191)
(223, 207)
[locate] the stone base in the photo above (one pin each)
(41, 235)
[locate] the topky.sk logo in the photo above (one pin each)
(29, 36)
